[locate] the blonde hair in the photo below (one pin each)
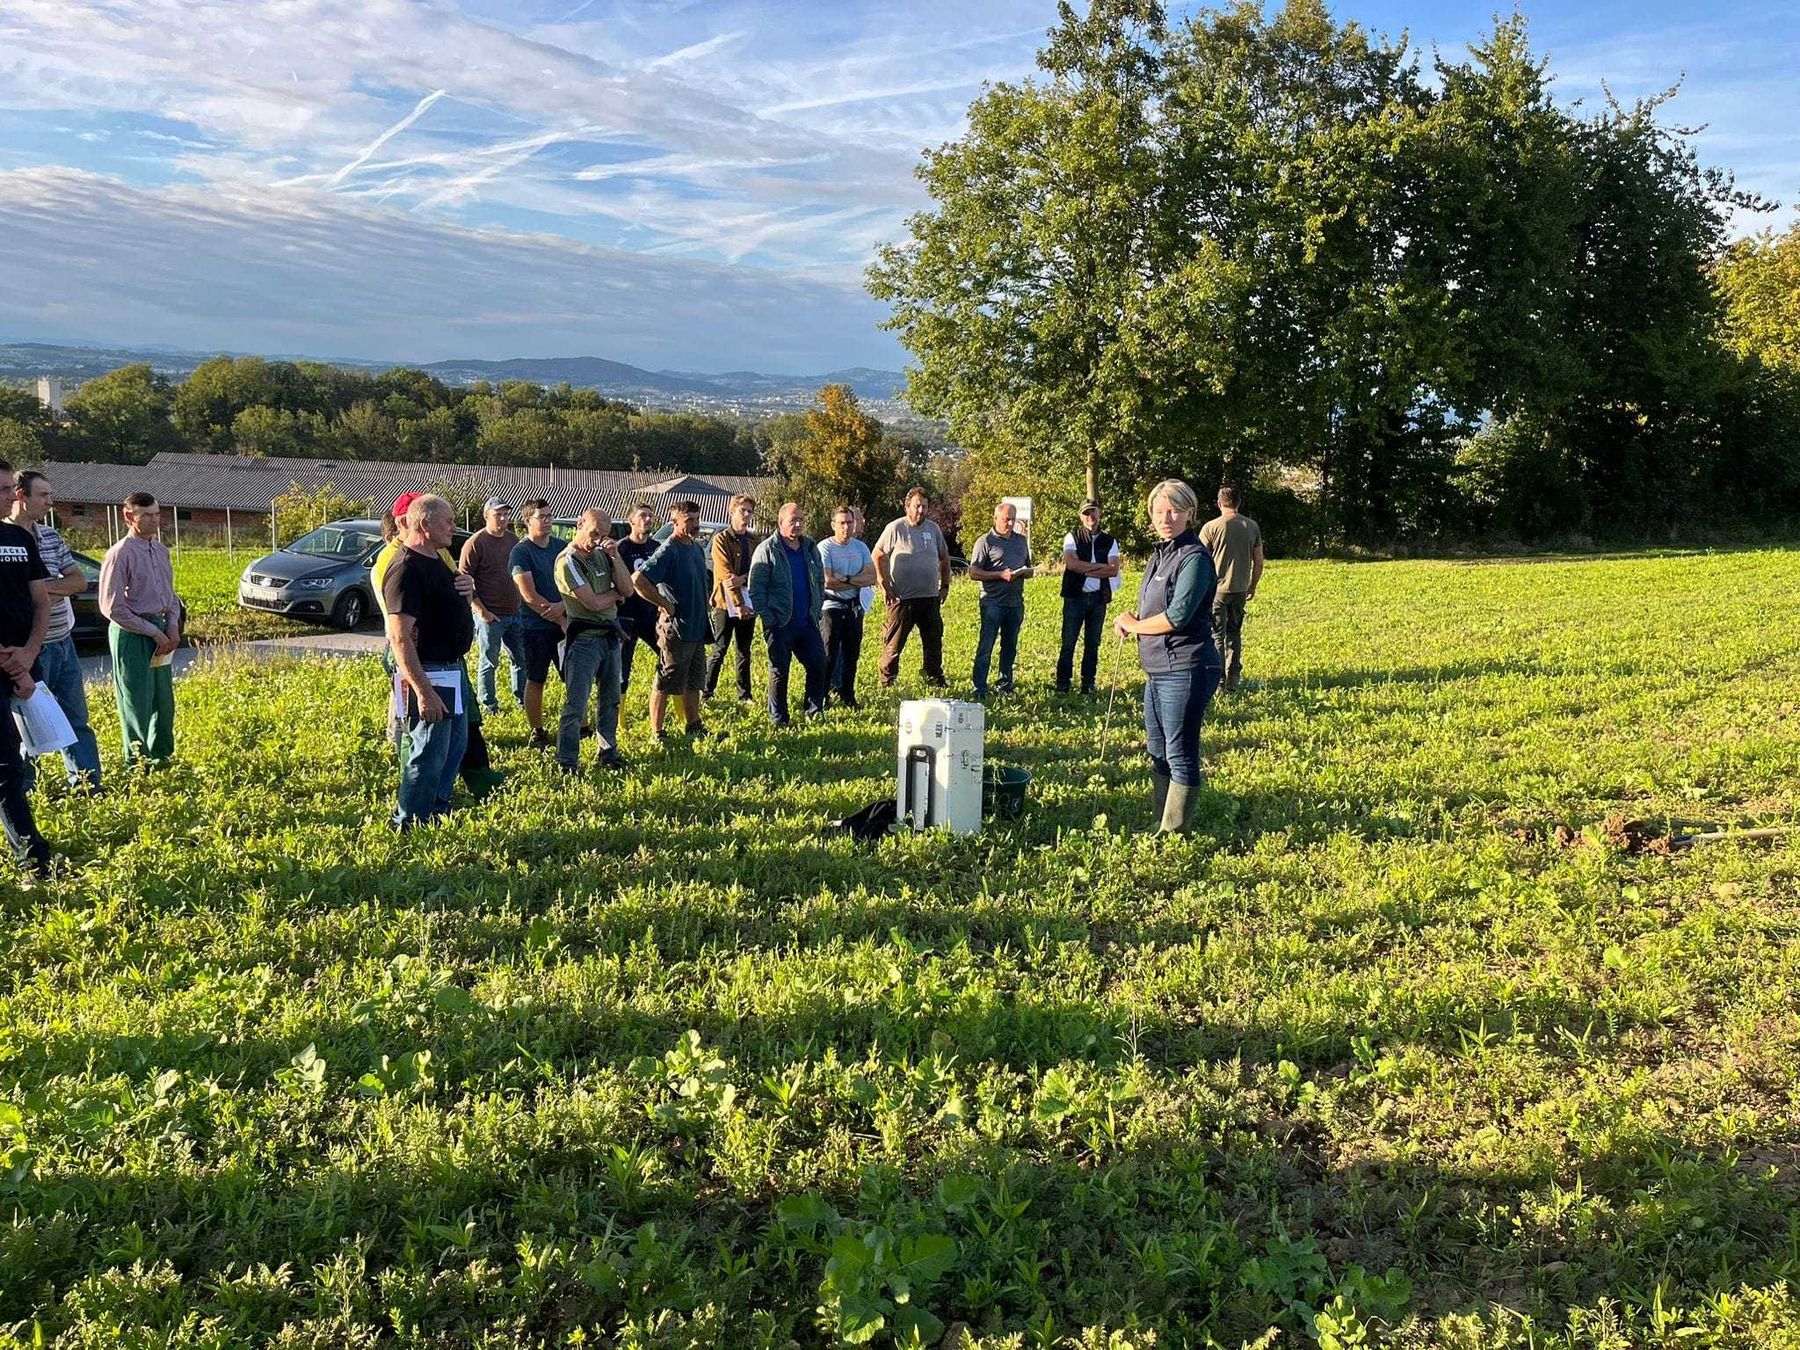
(1180, 495)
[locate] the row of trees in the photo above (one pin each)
(1274, 250)
(246, 405)
(833, 452)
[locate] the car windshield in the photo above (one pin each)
(335, 541)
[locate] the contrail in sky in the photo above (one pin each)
(385, 137)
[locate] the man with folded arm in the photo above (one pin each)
(59, 664)
(533, 564)
(592, 579)
(487, 557)
(674, 580)
(849, 587)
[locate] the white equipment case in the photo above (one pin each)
(940, 762)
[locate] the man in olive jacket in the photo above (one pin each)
(787, 587)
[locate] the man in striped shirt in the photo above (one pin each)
(59, 663)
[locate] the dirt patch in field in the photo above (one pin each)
(1634, 836)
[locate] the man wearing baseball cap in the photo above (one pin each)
(486, 557)
(1090, 576)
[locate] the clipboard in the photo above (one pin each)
(447, 684)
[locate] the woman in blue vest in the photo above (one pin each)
(1173, 628)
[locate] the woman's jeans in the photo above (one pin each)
(1174, 707)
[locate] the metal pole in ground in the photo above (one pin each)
(1112, 692)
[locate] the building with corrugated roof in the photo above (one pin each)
(220, 492)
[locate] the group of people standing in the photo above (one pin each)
(584, 608)
(39, 578)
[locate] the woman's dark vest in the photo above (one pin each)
(1190, 645)
(1096, 548)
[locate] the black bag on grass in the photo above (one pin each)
(872, 822)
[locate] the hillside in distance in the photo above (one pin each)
(616, 379)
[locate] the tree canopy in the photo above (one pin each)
(250, 406)
(1272, 249)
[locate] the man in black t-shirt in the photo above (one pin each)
(24, 619)
(430, 628)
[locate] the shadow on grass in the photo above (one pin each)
(1159, 1231)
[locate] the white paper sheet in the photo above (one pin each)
(43, 726)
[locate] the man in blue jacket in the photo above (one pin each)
(787, 587)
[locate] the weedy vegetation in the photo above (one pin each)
(1378, 1057)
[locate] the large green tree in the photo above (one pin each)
(125, 415)
(1759, 285)
(1267, 249)
(835, 453)
(1023, 293)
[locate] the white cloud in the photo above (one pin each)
(310, 271)
(631, 123)
(694, 51)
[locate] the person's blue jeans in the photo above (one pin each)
(490, 638)
(59, 667)
(798, 639)
(1084, 621)
(998, 620)
(434, 752)
(590, 662)
(1174, 707)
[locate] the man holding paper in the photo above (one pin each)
(24, 619)
(430, 628)
(59, 664)
(137, 594)
(733, 613)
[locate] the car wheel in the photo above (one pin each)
(349, 611)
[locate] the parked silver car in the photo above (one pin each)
(323, 575)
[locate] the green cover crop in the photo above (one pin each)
(1379, 1055)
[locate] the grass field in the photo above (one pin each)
(207, 581)
(644, 1061)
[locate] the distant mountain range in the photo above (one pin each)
(594, 372)
(74, 363)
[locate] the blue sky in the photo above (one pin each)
(690, 184)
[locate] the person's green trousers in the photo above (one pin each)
(146, 696)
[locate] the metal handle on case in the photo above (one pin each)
(917, 755)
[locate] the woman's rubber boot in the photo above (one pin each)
(1178, 808)
(1159, 793)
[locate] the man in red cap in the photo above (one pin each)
(477, 768)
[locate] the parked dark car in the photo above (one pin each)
(322, 576)
(90, 623)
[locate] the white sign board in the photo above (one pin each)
(1022, 505)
